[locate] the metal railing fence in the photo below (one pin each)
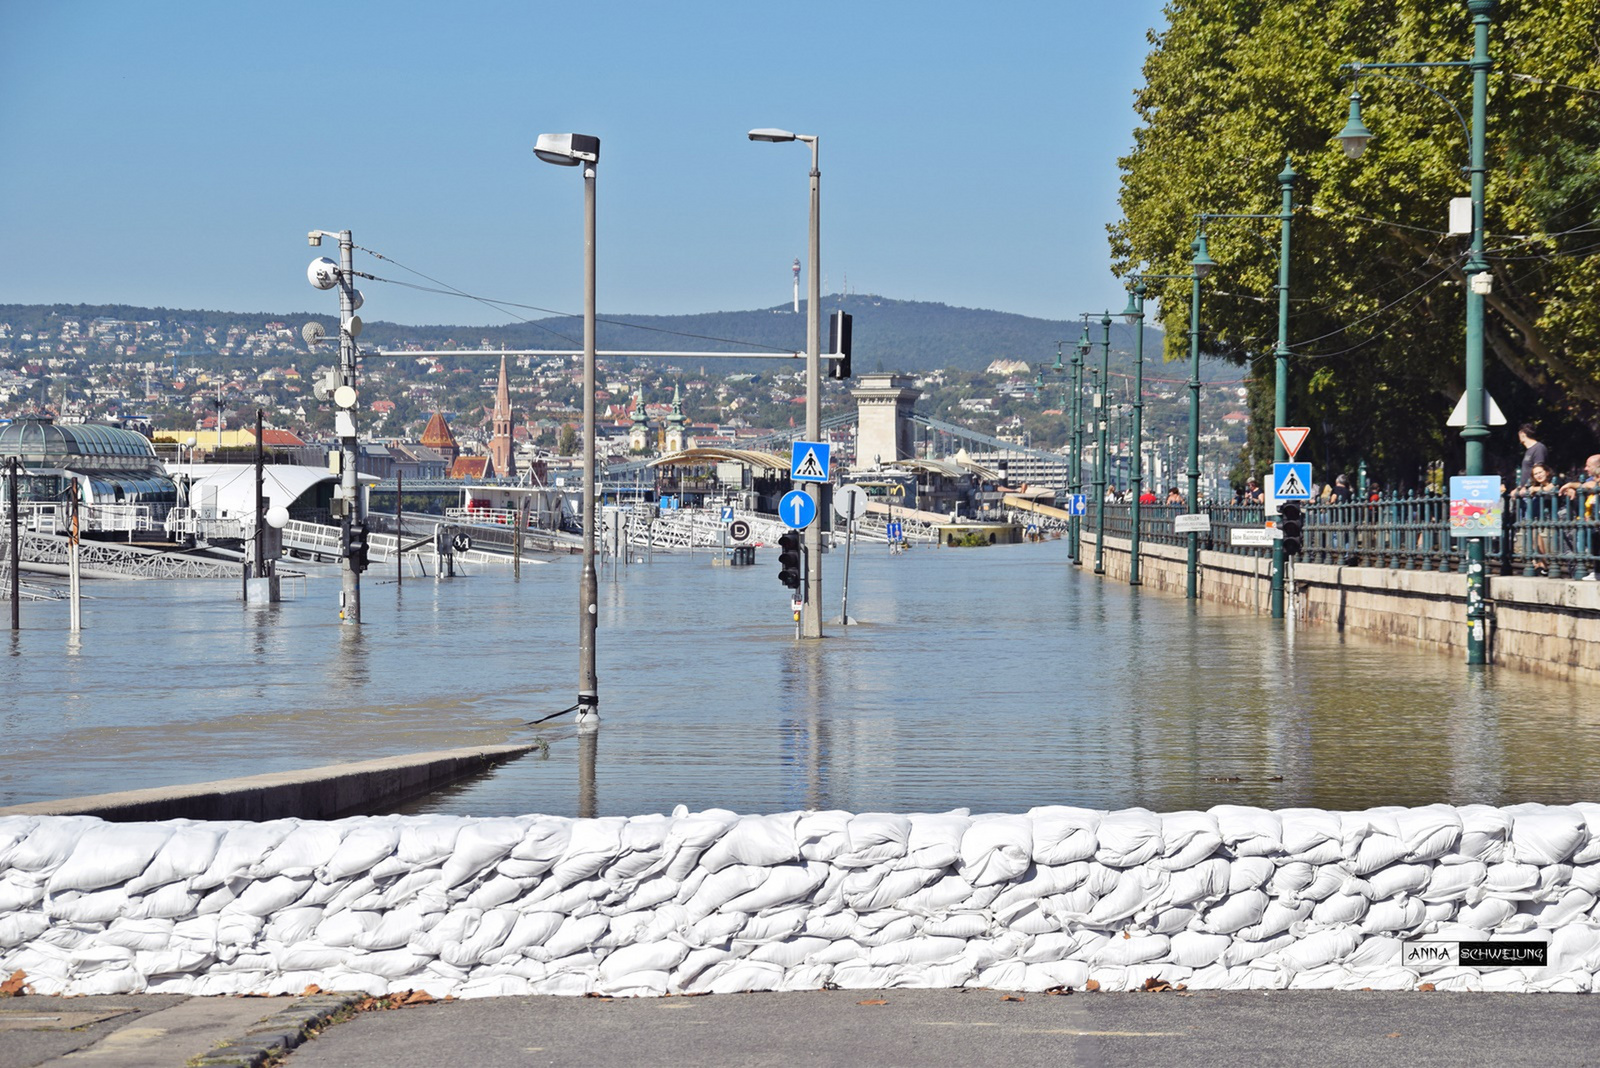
(1550, 534)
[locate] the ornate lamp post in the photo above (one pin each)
(1354, 137)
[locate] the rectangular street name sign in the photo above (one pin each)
(1197, 523)
(1250, 536)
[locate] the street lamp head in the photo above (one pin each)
(567, 150)
(1135, 310)
(1084, 344)
(1202, 263)
(770, 134)
(1355, 134)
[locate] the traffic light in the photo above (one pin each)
(839, 341)
(358, 547)
(789, 559)
(1291, 520)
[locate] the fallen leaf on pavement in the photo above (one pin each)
(16, 986)
(1426, 986)
(1392, 1034)
(874, 1001)
(311, 990)
(1092, 984)
(1013, 997)
(1156, 985)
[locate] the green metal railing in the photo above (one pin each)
(1551, 534)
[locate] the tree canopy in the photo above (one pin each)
(1233, 88)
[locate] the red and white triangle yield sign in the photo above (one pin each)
(1292, 437)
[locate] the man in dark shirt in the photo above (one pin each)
(1534, 454)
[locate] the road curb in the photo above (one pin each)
(276, 1034)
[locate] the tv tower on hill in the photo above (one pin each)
(797, 285)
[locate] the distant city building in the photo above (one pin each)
(436, 436)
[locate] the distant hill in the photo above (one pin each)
(891, 335)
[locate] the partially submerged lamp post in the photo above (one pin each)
(574, 150)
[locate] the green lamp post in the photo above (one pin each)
(1100, 438)
(1080, 353)
(1134, 315)
(1354, 138)
(1200, 265)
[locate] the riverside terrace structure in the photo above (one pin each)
(119, 476)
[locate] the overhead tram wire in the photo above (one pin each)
(502, 305)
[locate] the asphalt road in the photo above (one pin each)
(933, 1028)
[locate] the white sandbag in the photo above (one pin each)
(1197, 949)
(241, 848)
(996, 849)
(1199, 884)
(292, 926)
(1062, 835)
(1136, 949)
(1451, 882)
(772, 926)
(1032, 921)
(1234, 912)
(719, 888)
(1006, 975)
(1400, 879)
(893, 931)
(264, 897)
(918, 951)
(645, 957)
(1429, 832)
(1172, 919)
(19, 891)
(481, 844)
(100, 906)
(1250, 873)
(1487, 914)
(1341, 909)
(1136, 887)
(107, 855)
(170, 902)
(952, 891)
(1569, 907)
(958, 925)
(737, 976)
(495, 891)
(50, 842)
(1072, 907)
(1248, 832)
(1394, 915)
(1588, 853)
(1377, 851)
(341, 929)
(887, 892)
(1240, 952)
(1312, 835)
(1187, 839)
(1329, 879)
(21, 928)
(1484, 833)
(1053, 975)
(138, 934)
(427, 841)
(309, 846)
(361, 848)
(1584, 877)
(1546, 834)
(187, 852)
(1129, 838)
(935, 839)
(823, 835)
(1507, 879)
(874, 838)
(14, 830)
(789, 952)
(1278, 918)
(764, 841)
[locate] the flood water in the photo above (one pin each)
(995, 679)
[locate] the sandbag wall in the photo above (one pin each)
(714, 902)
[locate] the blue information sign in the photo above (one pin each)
(727, 513)
(797, 509)
(1078, 504)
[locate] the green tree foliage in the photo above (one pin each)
(1233, 87)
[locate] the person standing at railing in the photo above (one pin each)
(1537, 506)
(1580, 503)
(1533, 453)
(1173, 496)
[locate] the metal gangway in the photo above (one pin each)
(682, 528)
(51, 554)
(323, 541)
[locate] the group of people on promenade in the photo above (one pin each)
(1540, 493)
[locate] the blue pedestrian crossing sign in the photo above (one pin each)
(1078, 504)
(808, 461)
(1291, 481)
(797, 509)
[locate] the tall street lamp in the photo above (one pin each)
(581, 150)
(811, 608)
(1100, 441)
(1354, 137)
(1133, 314)
(1200, 265)
(1280, 402)
(1080, 353)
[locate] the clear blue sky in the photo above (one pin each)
(175, 154)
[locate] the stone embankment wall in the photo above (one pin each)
(713, 902)
(1548, 626)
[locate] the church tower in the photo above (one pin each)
(639, 431)
(437, 436)
(502, 447)
(677, 425)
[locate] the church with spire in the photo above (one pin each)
(502, 445)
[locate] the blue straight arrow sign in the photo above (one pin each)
(797, 509)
